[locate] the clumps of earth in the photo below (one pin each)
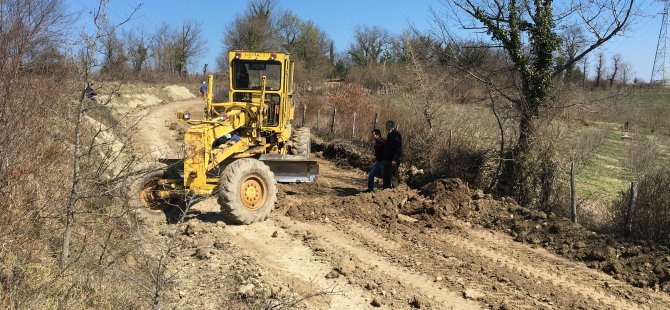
(640, 263)
(442, 202)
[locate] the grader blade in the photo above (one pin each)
(291, 168)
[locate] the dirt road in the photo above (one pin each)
(341, 249)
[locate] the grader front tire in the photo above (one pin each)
(247, 191)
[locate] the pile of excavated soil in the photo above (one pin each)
(441, 202)
(379, 208)
(178, 93)
(640, 263)
(133, 101)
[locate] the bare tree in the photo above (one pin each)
(527, 32)
(573, 41)
(585, 65)
(371, 44)
(413, 44)
(138, 51)
(163, 48)
(174, 50)
(27, 29)
(616, 67)
(80, 149)
(429, 86)
(600, 69)
(289, 29)
(626, 73)
(188, 45)
(114, 54)
(254, 29)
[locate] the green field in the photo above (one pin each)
(624, 157)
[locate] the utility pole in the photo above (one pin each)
(660, 73)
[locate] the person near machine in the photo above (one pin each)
(392, 153)
(378, 164)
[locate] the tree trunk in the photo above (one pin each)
(74, 190)
(511, 180)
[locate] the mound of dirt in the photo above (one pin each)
(441, 202)
(133, 101)
(178, 93)
(639, 263)
(453, 195)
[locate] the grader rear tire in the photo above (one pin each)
(247, 191)
(300, 142)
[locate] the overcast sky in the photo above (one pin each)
(338, 19)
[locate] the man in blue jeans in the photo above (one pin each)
(203, 90)
(378, 166)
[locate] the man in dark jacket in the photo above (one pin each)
(90, 92)
(391, 154)
(378, 165)
(203, 90)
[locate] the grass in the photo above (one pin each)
(605, 175)
(647, 110)
(609, 171)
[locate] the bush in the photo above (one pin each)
(651, 218)
(473, 165)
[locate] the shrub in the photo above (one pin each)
(651, 218)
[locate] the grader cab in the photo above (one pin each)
(241, 148)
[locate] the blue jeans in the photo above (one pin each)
(376, 168)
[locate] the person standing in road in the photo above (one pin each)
(203, 90)
(392, 153)
(378, 165)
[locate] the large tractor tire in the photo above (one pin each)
(247, 191)
(300, 142)
(148, 205)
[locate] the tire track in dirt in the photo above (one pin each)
(293, 263)
(341, 243)
(303, 267)
(561, 273)
(505, 271)
(156, 136)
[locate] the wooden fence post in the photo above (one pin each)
(451, 134)
(573, 199)
(631, 207)
(353, 127)
(332, 121)
(318, 117)
(374, 125)
(304, 111)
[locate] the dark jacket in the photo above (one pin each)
(379, 149)
(393, 146)
(90, 92)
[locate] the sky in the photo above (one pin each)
(339, 18)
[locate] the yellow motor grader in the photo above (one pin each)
(240, 149)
